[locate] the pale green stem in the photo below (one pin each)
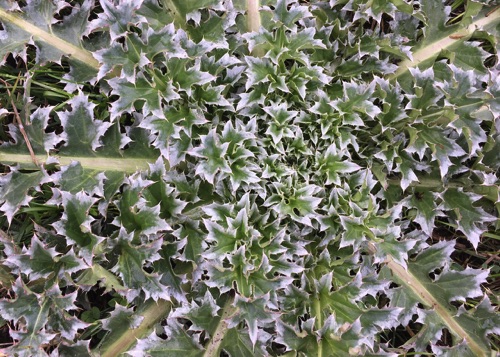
(253, 22)
(253, 15)
(427, 183)
(432, 50)
(152, 313)
(319, 322)
(67, 48)
(485, 191)
(214, 346)
(427, 299)
(128, 165)
(317, 312)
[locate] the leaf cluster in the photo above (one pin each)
(196, 187)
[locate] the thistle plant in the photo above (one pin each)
(245, 178)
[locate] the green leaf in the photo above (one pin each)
(213, 154)
(256, 96)
(14, 189)
(74, 178)
(167, 131)
(467, 217)
(468, 121)
(117, 17)
(355, 103)
(355, 232)
(262, 71)
(203, 315)
(237, 343)
(280, 117)
(82, 132)
(170, 279)
(59, 319)
(148, 94)
(435, 17)
(181, 8)
(289, 15)
(426, 94)
(121, 316)
(340, 339)
(494, 102)
(250, 279)
(458, 350)
(439, 37)
(483, 313)
(80, 348)
(130, 267)
(93, 143)
(52, 40)
(469, 55)
(178, 343)
(297, 202)
(425, 203)
(96, 274)
(254, 312)
(228, 239)
(75, 224)
(184, 78)
(281, 46)
(136, 216)
(392, 98)
(121, 336)
(443, 148)
(297, 340)
(436, 294)
(192, 239)
(334, 163)
(397, 249)
(44, 316)
(354, 68)
(34, 314)
(240, 152)
(119, 321)
(41, 261)
(128, 57)
(112, 183)
(41, 141)
(160, 193)
(333, 339)
(156, 17)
